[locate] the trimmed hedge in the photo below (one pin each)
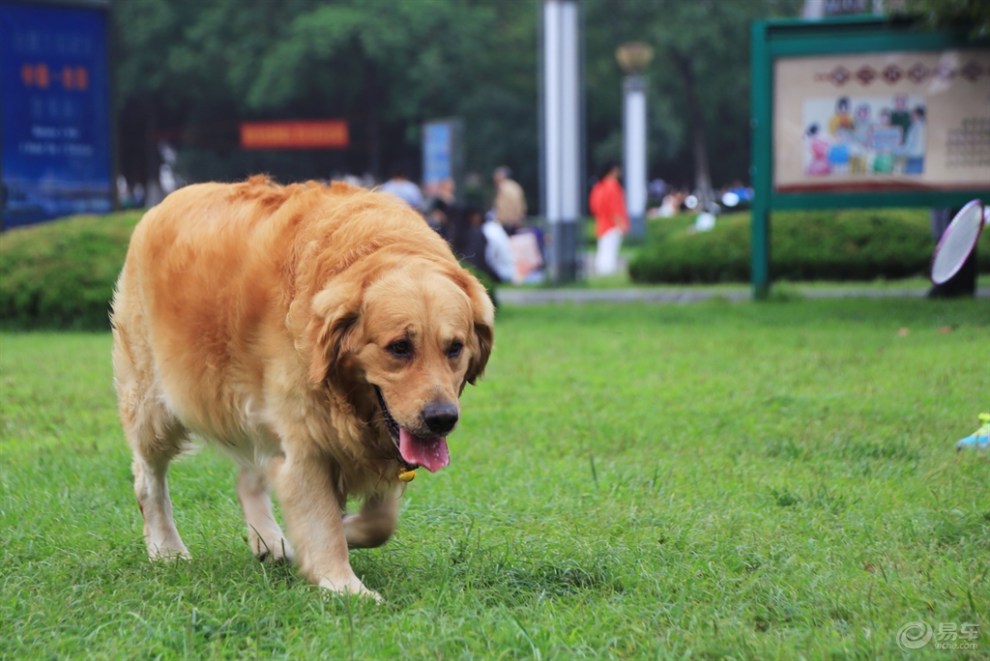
(860, 244)
(62, 274)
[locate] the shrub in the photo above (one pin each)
(62, 274)
(860, 244)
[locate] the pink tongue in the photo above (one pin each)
(430, 453)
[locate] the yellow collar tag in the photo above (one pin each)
(407, 475)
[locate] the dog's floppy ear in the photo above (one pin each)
(484, 329)
(335, 316)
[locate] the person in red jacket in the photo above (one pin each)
(607, 202)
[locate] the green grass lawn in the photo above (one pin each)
(759, 481)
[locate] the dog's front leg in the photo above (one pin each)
(264, 535)
(375, 523)
(312, 508)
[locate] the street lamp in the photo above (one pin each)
(634, 57)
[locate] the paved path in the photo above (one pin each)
(520, 296)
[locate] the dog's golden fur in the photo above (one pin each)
(299, 327)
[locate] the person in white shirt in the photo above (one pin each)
(498, 251)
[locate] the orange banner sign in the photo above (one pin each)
(301, 134)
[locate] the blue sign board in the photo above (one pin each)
(436, 152)
(442, 160)
(55, 147)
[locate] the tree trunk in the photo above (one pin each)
(373, 125)
(696, 119)
(374, 128)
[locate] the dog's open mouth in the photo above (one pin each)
(430, 452)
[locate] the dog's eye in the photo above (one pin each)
(400, 348)
(455, 348)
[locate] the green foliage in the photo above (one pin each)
(384, 66)
(862, 244)
(970, 15)
(746, 481)
(62, 274)
(191, 71)
(489, 283)
(711, 39)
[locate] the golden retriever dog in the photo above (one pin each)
(320, 335)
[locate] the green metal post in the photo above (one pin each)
(760, 261)
(760, 116)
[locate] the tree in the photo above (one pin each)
(972, 15)
(189, 71)
(698, 80)
(194, 72)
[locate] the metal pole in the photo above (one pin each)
(760, 118)
(634, 148)
(562, 136)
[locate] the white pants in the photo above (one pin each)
(607, 256)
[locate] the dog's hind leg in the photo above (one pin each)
(160, 534)
(375, 523)
(264, 534)
(153, 450)
(155, 437)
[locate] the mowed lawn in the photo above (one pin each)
(772, 480)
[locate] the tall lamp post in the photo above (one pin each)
(634, 57)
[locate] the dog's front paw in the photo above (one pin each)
(352, 586)
(167, 553)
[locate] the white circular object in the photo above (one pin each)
(957, 242)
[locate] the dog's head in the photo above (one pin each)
(401, 346)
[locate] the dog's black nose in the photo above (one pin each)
(440, 417)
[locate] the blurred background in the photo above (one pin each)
(189, 72)
(111, 104)
(185, 76)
